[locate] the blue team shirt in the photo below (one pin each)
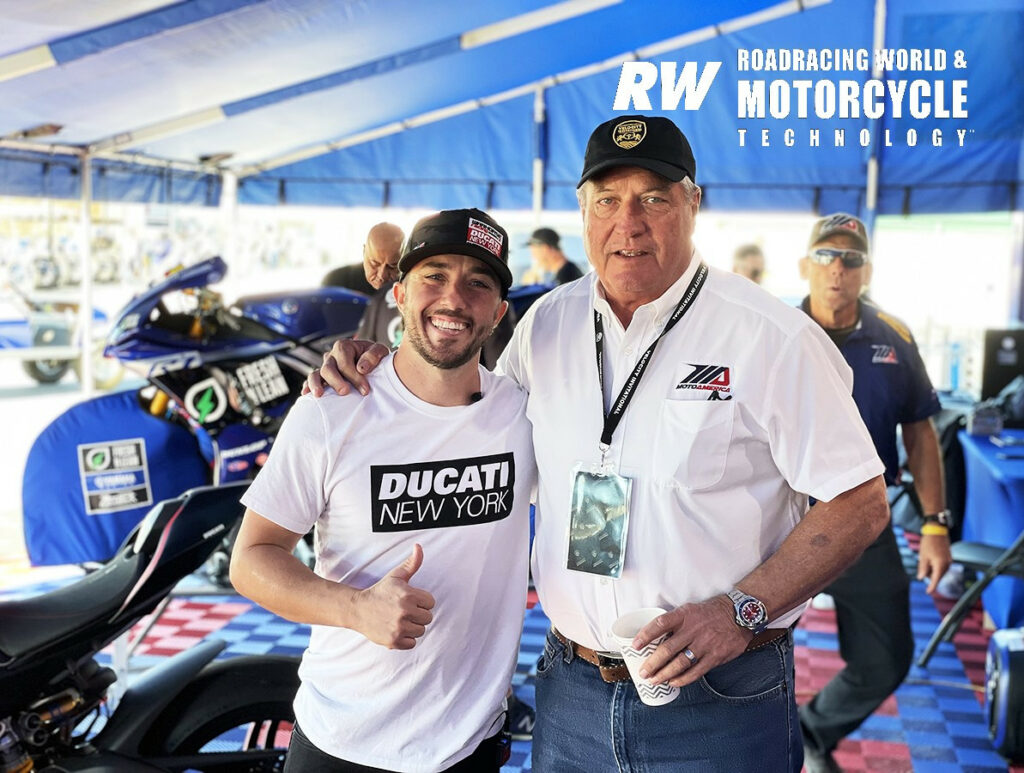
(890, 383)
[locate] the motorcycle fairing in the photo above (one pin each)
(146, 332)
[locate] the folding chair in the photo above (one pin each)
(993, 561)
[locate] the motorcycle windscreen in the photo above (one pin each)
(95, 471)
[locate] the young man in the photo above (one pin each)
(382, 321)
(420, 496)
(891, 389)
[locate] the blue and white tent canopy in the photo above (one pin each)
(435, 104)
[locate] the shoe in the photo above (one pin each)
(820, 762)
(824, 602)
(521, 719)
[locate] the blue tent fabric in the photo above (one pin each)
(986, 172)
(454, 164)
(263, 80)
(66, 519)
(59, 176)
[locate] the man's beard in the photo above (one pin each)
(448, 356)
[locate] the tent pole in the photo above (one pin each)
(85, 303)
(539, 154)
(229, 216)
(871, 194)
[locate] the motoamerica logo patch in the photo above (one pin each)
(713, 378)
(432, 495)
(885, 354)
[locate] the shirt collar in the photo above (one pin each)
(805, 306)
(660, 307)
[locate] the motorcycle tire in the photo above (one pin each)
(46, 371)
(252, 692)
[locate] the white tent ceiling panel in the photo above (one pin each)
(27, 23)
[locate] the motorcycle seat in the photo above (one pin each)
(40, 621)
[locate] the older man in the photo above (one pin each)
(381, 251)
(696, 413)
(891, 389)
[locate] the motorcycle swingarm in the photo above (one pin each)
(150, 694)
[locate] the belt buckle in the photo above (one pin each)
(609, 659)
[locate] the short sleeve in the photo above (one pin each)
(817, 437)
(921, 401)
(289, 490)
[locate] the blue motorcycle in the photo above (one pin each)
(221, 378)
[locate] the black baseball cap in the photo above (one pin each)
(650, 142)
(469, 232)
(548, 236)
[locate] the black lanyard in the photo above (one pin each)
(614, 416)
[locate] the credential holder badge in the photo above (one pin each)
(599, 502)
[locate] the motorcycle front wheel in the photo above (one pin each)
(235, 716)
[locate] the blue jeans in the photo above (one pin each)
(740, 716)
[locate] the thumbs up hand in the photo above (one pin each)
(393, 613)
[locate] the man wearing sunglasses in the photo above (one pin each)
(890, 388)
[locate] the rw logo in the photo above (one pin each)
(708, 377)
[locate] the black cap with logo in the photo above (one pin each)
(650, 142)
(840, 224)
(469, 232)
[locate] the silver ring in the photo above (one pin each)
(689, 655)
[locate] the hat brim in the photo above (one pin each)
(666, 170)
(501, 270)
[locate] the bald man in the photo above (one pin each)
(380, 262)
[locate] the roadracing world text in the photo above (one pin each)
(908, 85)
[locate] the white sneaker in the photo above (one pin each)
(824, 602)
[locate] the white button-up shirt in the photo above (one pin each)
(744, 411)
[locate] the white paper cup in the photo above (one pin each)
(623, 631)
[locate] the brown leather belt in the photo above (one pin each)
(613, 668)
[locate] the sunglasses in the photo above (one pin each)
(824, 256)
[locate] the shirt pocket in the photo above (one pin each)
(692, 441)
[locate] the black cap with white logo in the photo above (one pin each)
(652, 143)
(469, 232)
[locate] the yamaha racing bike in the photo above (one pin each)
(54, 707)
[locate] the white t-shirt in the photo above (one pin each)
(743, 412)
(376, 475)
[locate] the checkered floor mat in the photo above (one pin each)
(933, 723)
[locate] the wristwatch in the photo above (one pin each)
(751, 613)
(942, 518)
